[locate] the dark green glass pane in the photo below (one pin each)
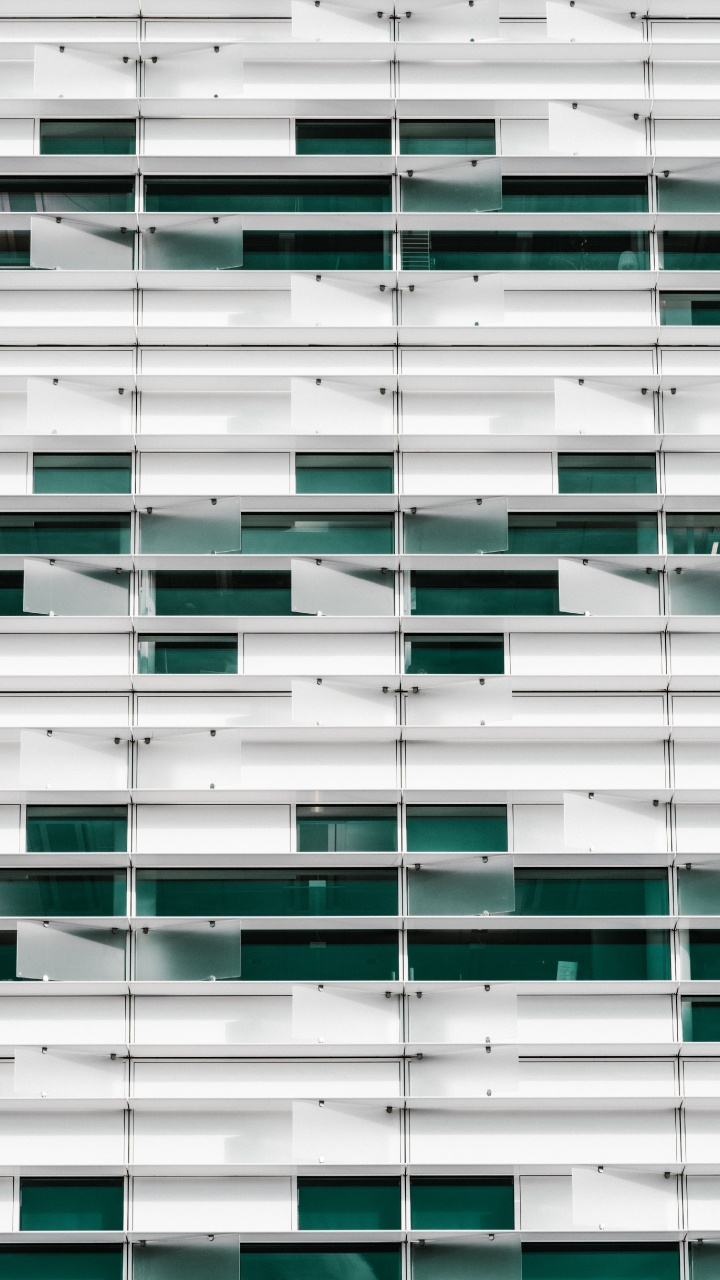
(704, 311)
(68, 195)
(574, 195)
(87, 137)
(600, 1262)
(267, 893)
(688, 309)
(349, 1204)
(462, 1204)
(690, 250)
(319, 956)
(302, 194)
(8, 962)
(447, 137)
(95, 534)
(539, 251)
(224, 593)
(607, 473)
(318, 533)
(554, 892)
(58, 1262)
(451, 593)
(82, 473)
(71, 1204)
(361, 828)
(11, 594)
(317, 251)
(14, 248)
(608, 955)
(72, 893)
(315, 1262)
(701, 1020)
(570, 533)
(454, 655)
(456, 828)
(76, 829)
(343, 137)
(704, 954)
(693, 534)
(188, 655)
(344, 473)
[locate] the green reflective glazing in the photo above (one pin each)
(344, 473)
(607, 473)
(267, 893)
(82, 473)
(70, 893)
(688, 309)
(76, 828)
(690, 250)
(8, 958)
(67, 195)
(71, 1204)
(704, 953)
(321, 1262)
(87, 137)
(447, 137)
(538, 251)
(600, 1262)
(11, 594)
(596, 892)
(342, 956)
(343, 137)
(61, 1262)
(14, 248)
(700, 1020)
(225, 593)
(188, 655)
(574, 195)
(454, 655)
(318, 533)
(582, 533)
(346, 828)
(456, 828)
(449, 592)
(598, 955)
(317, 251)
(704, 1259)
(262, 194)
(462, 1204)
(93, 534)
(349, 1204)
(693, 534)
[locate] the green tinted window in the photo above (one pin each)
(447, 137)
(76, 828)
(87, 137)
(452, 593)
(72, 893)
(267, 893)
(690, 250)
(551, 892)
(462, 1204)
(349, 1204)
(14, 249)
(344, 473)
(456, 828)
(701, 1020)
(318, 1262)
(94, 534)
(11, 594)
(684, 308)
(71, 1204)
(68, 195)
(580, 533)
(318, 533)
(319, 956)
(693, 534)
(343, 137)
(82, 473)
(698, 891)
(454, 655)
(606, 473)
(608, 955)
(704, 1260)
(58, 1262)
(226, 593)
(600, 1262)
(317, 251)
(188, 655)
(704, 952)
(301, 194)
(353, 828)
(538, 251)
(8, 956)
(574, 195)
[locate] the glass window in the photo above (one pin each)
(346, 828)
(690, 250)
(701, 1020)
(704, 1259)
(321, 1262)
(318, 533)
(599, 955)
(447, 137)
(67, 195)
(71, 1204)
(317, 251)
(538, 251)
(444, 592)
(693, 534)
(72, 893)
(596, 892)
(14, 248)
(58, 828)
(187, 655)
(574, 195)
(82, 473)
(684, 308)
(343, 137)
(342, 956)
(87, 137)
(224, 593)
(11, 594)
(93, 534)
(344, 473)
(456, 828)
(699, 890)
(607, 473)
(267, 893)
(600, 1262)
(61, 1262)
(262, 194)
(582, 533)
(349, 1204)
(8, 956)
(704, 951)
(454, 655)
(462, 1204)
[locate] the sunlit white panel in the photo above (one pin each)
(591, 22)
(211, 137)
(488, 1071)
(332, 1014)
(215, 71)
(449, 20)
(61, 589)
(211, 1204)
(42, 1072)
(465, 1014)
(587, 406)
(190, 828)
(338, 20)
(584, 130)
(455, 700)
(617, 1199)
(67, 71)
(330, 300)
(599, 588)
(599, 823)
(58, 759)
(70, 406)
(470, 301)
(345, 1133)
(331, 588)
(322, 405)
(197, 761)
(324, 701)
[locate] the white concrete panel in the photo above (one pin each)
(71, 1020)
(472, 413)
(483, 473)
(703, 1202)
(538, 828)
(95, 1138)
(216, 137)
(547, 653)
(265, 1079)
(213, 1137)
(191, 760)
(596, 1019)
(345, 1133)
(267, 654)
(65, 655)
(595, 1137)
(690, 473)
(214, 473)
(183, 828)
(16, 137)
(610, 1199)
(697, 828)
(546, 1202)
(580, 129)
(214, 413)
(580, 764)
(211, 1204)
(197, 1020)
(325, 764)
(702, 1129)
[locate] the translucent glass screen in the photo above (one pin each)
(194, 244)
(66, 590)
(197, 528)
(212, 1257)
(336, 590)
(458, 701)
(462, 886)
(193, 953)
(463, 528)
(469, 187)
(71, 245)
(67, 953)
(498, 1259)
(599, 588)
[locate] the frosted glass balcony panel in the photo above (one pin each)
(616, 1199)
(606, 823)
(186, 1258)
(345, 1133)
(592, 587)
(498, 1259)
(343, 1015)
(461, 886)
(215, 71)
(328, 301)
(336, 590)
(442, 20)
(71, 245)
(61, 589)
(193, 244)
(699, 889)
(694, 591)
(472, 187)
(458, 701)
(57, 759)
(200, 952)
(41, 1072)
(488, 1071)
(469, 1014)
(209, 527)
(340, 407)
(323, 701)
(479, 525)
(73, 406)
(694, 191)
(69, 953)
(75, 72)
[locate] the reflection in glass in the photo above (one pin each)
(267, 893)
(580, 533)
(301, 956)
(344, 473)
(343, 137)
(349, 1204)
(447, 137)
(188, 655)
(456, 828)
(269, 194)
(82, 473)
(591, 892)
(607, 473)
(454, 655)
(318, 533)
(451, 592)
(347, 828)
(226, 592)
(599, 955)
(76, 829)
(87, 137)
